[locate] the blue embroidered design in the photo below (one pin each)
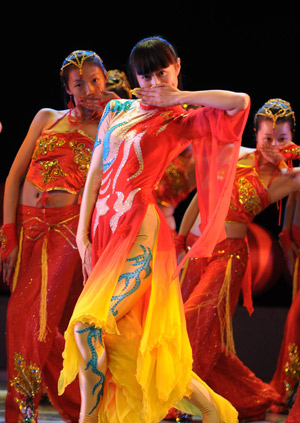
(143, 261)
(96, 335)
(119, 106)
(97, 142)
(106, 145)
(116, 107)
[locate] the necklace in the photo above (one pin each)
(257, 167)
(279, 202)
(75, 120)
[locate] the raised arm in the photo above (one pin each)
(165, 95)
(230, 101)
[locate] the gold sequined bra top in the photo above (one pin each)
(249, 195)
(60, 161)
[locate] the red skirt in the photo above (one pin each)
(45, 288)
(287, 374)
(209, 309)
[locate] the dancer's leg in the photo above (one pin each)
(202, 399)
(91, 370)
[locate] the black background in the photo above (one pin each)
(220, 49)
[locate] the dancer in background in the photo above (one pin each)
(127, 337)
(40, 259)
(287, 375)
(211, 286)
(117, 81)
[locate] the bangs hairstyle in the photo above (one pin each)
(150, 55)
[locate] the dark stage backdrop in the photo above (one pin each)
(219, 49)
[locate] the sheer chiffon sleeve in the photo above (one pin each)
(216, 151)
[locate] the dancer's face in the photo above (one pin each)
(270, 138)
(168, 75)
(89, 82)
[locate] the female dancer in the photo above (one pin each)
(211, 286)
(127, 337)
(38, 245)
(287, 375)
(178, 179)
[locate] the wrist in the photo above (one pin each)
(186, 97)
(290, 152)
(8, 239)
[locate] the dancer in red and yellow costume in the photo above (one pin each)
(179, 178)
(287, 375)
(38, 238)
(177, 182)
(211, 286)
(127, 337)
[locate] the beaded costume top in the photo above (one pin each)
(60, 161)
(249, 195)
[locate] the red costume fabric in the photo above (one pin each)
(60, 161)
(148, 353)
(48, 277)
(287, 374)
(294, 415)
(249, 195)
(210, 300)
(173, 186)
(41, 303)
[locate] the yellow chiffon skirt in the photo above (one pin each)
(149, 358)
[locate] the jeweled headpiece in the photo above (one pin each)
(276, 108)
(118, 82)
(78, 57)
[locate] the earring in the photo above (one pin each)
(70, 103)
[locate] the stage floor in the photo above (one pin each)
(47, 414)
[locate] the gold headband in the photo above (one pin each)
(276, 108)
(78, 57)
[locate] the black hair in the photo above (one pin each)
(150, 55)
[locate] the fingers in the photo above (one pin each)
(96, 103)
(92, 104)
(7, 270)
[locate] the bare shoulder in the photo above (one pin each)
(244, 151)
(46, 117)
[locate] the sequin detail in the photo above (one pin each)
(51, 171)
(122, 207)
(45, 144)
(82, 156)
(101, 209)
(142, 262)
(132, 138)
(292, 373)
(248, 197)
(27, 383)
(94, 337)
(116, 107)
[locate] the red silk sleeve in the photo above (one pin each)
(291, 152)
(216, 154)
